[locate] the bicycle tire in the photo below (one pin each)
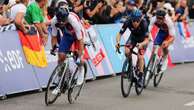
(148, 78)
(55, 72)
(158, 76)
(71, 97)
(126, 75)
(138, 88)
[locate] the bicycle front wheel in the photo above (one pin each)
(158, 76)
(139, 88)
(126, 78)
(74, 90)
(53, 90)
(148, 73)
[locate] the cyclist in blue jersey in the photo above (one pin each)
(139, 36)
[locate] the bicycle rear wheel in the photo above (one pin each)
(126, 78)
(53, 90)
(158, 76)
(74, 90)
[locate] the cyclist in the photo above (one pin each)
(72, 31)
(165, 35)
(139, 36)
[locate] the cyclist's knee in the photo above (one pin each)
(165, 51)
(141, 57)
(127, 52)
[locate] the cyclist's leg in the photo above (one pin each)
(141, 59)
(81, 69)
(64, 47)
(130, 44)
(164, 59)
(141, 64)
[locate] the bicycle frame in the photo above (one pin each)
(134, 57)
(155, 57)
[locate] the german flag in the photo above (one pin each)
(33, 49)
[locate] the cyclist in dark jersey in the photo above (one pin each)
(139, 36)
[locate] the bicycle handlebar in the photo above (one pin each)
(53, 50)
(129, 46)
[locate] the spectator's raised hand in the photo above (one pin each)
(99, 5)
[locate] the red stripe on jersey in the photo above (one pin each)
(78, 19)
(75, 16)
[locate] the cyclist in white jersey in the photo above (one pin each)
(165, 35)
(71, 31)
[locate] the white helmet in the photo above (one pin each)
(61, 1)
(168, 6)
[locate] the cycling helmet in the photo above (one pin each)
(160, 13)
(61, 2)
(136, 15)
(62, 14)
(131, 2)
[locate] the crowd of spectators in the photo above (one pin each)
(38, 12)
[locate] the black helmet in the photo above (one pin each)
(62, 14)
(160, 13)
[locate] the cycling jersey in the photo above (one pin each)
(71, 31)
(138, 35)
(165, 30)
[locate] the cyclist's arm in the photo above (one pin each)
(147, 35)
(123, 29)
(53, 33)
(79, 31)
(152, 21)
(172, 32)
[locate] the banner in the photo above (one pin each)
(15, 74)
(108, 34)
(99, 61)
(33, 49)
(183, 48)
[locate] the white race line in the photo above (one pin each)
(189, 104)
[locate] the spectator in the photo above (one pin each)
(191, 9)
(121, 11)
(17, 13)
(182, 11)
(3, 19)
(139, 3)
(111, 13)
(154, 5)
(76, 6)
(129, 7)
(91, 10)
(34, 15)
(169, 10)
(51, 9)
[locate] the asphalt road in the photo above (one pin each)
(176, 92)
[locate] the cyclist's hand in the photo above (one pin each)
(140, 45)
(117, 46)
(54, 50)
(165, 44)
(79, 61)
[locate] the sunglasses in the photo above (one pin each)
(160, 18)
(136, 20)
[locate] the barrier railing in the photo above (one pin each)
(17, 76)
